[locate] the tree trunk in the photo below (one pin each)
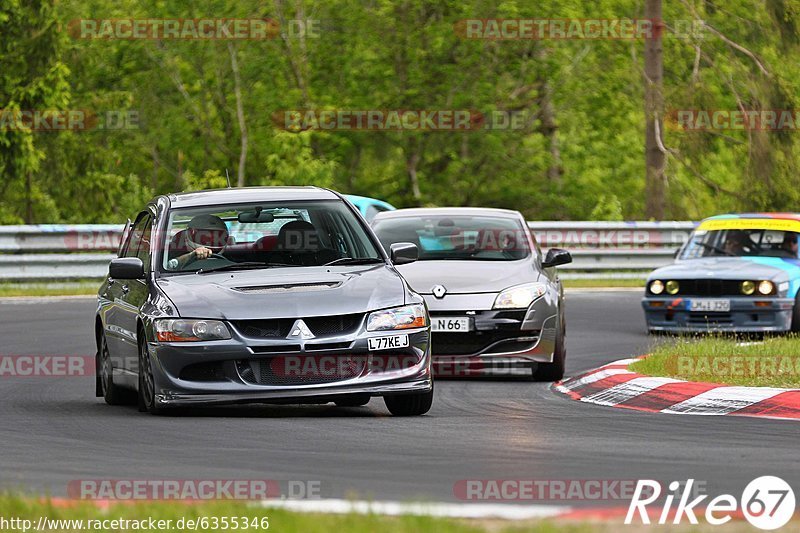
(548, 125)
(412, 162)
(237, 87)
(655, 158)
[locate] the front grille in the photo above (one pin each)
(709, 287)
(478, 341)
(301, 370)
(280, 327)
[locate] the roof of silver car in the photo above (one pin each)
(239, 195)
(449, 211)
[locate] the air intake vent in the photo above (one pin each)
(281, 289)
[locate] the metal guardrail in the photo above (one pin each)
(599, 249)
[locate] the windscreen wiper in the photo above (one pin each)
(249, 265)
(355, 261)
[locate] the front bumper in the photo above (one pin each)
(672, 314)
(500, 342)
(222, 372)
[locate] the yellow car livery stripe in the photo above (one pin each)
(778, 224)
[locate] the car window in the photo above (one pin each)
(143, 251)
(135, 236)
(741, 243)
(442, 237)
(275, 234)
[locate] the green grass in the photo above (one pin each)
(771, 362)
(278, 519)
(88, 288)
(594, 283)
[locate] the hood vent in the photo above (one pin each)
(287, 288)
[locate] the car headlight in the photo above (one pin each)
(672, 287)
(766, 287)
(520, 296)
(657, 286)
(406, 317)
(183, 330)
(748, 287)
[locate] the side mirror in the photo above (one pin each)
(126, 268)
(402, 253)
(555, 257)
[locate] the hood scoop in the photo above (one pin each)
(288, 288)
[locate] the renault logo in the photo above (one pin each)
(300, 331)
(439, 291)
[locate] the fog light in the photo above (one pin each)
(748, 287)
(673, 287)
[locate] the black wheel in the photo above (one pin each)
(111, 393)
(554, 371)
(147, 387)
(356, 400)
(409, 404)
(796, 316)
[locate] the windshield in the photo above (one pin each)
(440, 237)
(264, 234)
(741, 243)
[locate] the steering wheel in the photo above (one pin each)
(212, 256)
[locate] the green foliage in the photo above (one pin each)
(403, 54)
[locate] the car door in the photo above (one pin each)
(133, 292)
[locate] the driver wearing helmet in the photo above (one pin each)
(205, 235)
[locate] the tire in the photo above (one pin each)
(796, 316)
(147, 389)
(409, 404)
(356, 400)
(105, 387)
(554, 371)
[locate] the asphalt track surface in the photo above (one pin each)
(53, 430)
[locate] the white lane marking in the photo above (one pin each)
(597, 376)
(625, 391)
(723, 400)
(447, 510)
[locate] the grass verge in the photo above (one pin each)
(77, 288)
(594, 283)
(771, 362)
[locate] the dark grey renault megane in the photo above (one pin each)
(496, 302)
(270, 295)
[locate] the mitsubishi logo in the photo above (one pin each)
(300, 331)
(439, 291)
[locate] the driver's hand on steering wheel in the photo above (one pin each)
(203, 252)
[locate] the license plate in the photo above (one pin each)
(719, 306)
(387, 343)
(450, 324)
